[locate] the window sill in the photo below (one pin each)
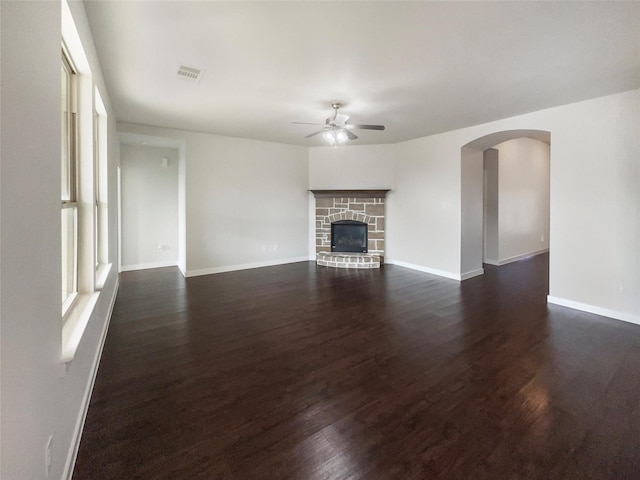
(68, 304)
(75, 323)
(102, 272)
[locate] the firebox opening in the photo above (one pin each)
(349, 236)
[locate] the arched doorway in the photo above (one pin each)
(473, 195)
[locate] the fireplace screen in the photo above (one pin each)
(349, 236)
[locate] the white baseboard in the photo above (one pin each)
(145, 266)
(244, 266)
(183, 271)
(515, 258)
(605, 312)
(472, 273)
(420, 268)
(84, 406)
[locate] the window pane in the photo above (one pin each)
(69, 257)
(65, 151)
(96, 187)
(100, 182)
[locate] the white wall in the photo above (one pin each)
(246, 200)
(423, 218)
(149, 206)
(491, 206)
(182, 210)
(40, 396)
(351, 167)
(595, 204)
(594, 220)
(471, 213)
(523, 197)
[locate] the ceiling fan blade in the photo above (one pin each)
(365, 127)
(307, 123)
(313, 134)
(350, 134)
(340, 119)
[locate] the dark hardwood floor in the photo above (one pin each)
(305, 372)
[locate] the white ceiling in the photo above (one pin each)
(417, 67)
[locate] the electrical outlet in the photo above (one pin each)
(48, 456)
(264, 248)
(275, 247)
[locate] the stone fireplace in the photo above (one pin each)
(333, 207)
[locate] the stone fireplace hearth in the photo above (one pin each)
(358, 205)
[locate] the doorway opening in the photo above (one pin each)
(504, 199)
(151, 196)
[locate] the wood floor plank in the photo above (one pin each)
(306, 372)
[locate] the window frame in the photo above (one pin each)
(69, 199)
(96, 186)
(89, 281)
(100, 192)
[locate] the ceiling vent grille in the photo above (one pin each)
(190, 73)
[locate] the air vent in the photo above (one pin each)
(190, 73)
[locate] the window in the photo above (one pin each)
(69, 184)
(83, 168)
(100, 192)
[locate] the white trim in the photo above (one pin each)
(145, 266)
(76, 323)
(102, 272)
(119, 214)
(84, 406)
(182, 270)
(420, 268)
(244, 266)
(471, 274)
(585, 307)
(515, 258)
(72, 41)
(67, 304)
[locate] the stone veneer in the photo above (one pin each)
(347, 260)
(362, 205)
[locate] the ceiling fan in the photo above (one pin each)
(336, 129)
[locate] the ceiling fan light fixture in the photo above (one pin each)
(335, 136)
(330, 136)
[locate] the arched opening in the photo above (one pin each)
(499, 218)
